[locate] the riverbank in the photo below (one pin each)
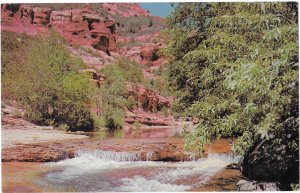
(14, 137)
(225, 180)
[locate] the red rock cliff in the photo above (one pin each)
(82, 26)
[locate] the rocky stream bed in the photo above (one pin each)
(36, 159)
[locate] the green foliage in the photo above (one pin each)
(136, 127)
(114, 91)
(136, 26)
(160, 82)
(124, 70)
(46, 83)
(114, 100)
(164, 111)
(130, 44)
(63, 127)
(131, 103)
(99, 121)
(114, 117)
(235, 66)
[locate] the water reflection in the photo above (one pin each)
(103, 134)
(147, 132)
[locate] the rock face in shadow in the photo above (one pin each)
(271, 161)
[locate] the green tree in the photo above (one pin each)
(235, 66)
(114, 91)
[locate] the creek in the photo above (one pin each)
(97, 170)
(120, 171)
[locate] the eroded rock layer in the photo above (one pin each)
(81, 26)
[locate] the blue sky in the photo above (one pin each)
(158, 9)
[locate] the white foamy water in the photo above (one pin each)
(141, 184)
(121, 171)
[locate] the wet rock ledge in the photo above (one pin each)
(170, 149)
(151, 149)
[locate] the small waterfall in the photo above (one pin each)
(102, 169)
(118, 156)
(191, 156)
(149, 156)
(110, 155)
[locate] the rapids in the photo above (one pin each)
(121, 171)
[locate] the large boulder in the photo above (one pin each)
(274, 160)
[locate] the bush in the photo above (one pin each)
(114, 118)
(164, 111)
(114, 94)
(131, 103)
(46, 83)
(99, 121)
(63, 127)
(136, 127)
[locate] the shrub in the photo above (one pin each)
(114, 118)
(114, 95)
(99, 121)
(131, 103)
(63, 127)
(124, 70)
(46, 83)
(164, 111)
(136, 127)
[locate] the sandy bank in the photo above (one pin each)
(14, 137)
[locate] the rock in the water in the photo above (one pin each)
(244, 185)
(234, 166)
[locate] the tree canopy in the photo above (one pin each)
(235, 66)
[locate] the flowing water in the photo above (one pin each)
(109, 171)
(120, 171)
